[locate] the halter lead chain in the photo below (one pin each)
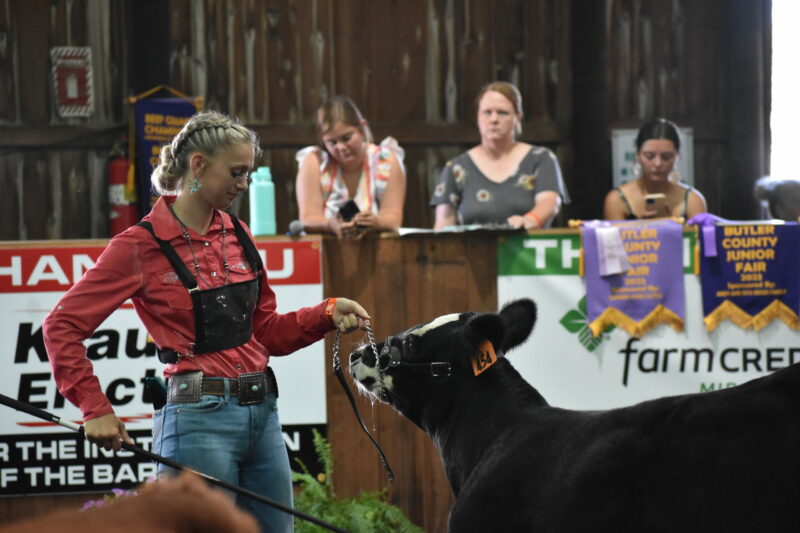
(337, 370)
(374, 349)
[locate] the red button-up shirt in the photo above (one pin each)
(133, 266)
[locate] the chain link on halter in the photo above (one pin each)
(337, 370)
(373, 346)
(370, 337)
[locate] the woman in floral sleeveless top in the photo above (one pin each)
(349, 166)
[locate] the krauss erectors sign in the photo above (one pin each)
(39, 457)
(572, 369)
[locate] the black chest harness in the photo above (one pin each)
(223, 316)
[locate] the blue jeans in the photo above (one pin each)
(240, 444)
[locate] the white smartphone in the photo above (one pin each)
(655, 202)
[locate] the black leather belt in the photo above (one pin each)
(251, 388)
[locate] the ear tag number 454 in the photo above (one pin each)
(484, 358)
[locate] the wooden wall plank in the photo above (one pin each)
(470, 57)
(592, 102)
(396, 60)
(37, 198)
(10, 201)
(9, 67)
(748, 154)
(34, 54)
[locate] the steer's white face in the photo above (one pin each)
(423, 370)
(435, 323)
(380, 383)
(370, 379)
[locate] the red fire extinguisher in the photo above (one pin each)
(121, 193)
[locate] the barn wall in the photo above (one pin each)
(53, 168)
(704, 64)
(416, 82)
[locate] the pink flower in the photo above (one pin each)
(108, 499)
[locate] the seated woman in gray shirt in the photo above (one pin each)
(502, 180)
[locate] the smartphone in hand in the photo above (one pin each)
(655, 202)
(349, 210)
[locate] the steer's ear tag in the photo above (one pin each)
(484, 358)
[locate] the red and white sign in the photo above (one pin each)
(39, 457)
(72, 80)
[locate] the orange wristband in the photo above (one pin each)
(535, 217)
(329, 307)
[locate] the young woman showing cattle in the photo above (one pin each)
(198, 285)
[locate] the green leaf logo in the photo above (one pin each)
(573, 321)
(576, 321)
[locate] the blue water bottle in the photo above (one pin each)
(262, 203)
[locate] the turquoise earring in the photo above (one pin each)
(195, 185)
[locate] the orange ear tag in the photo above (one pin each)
(484, 358)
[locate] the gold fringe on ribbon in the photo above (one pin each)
(197, 101)
(730, 311)
(614, 317)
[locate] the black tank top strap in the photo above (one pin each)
(174, 259)
(631, 214)
(686, 202)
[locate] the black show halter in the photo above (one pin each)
(392, 357)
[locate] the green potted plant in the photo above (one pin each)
(369, 512)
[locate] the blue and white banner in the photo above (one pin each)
(156, 122)
(750, 273)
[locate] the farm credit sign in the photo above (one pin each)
(37, 457)
(573, 369)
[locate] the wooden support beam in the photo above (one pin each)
(59, 137)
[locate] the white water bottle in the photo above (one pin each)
(262, 203)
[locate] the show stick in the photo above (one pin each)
(49, 417)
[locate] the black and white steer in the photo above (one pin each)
(718, 461)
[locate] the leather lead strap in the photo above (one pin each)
(337, 370)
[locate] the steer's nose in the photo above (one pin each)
(365, 355)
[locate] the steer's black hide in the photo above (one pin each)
(716, 461)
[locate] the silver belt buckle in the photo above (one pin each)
(252, 388)
(185, 388)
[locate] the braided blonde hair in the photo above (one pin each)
(207, 132)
